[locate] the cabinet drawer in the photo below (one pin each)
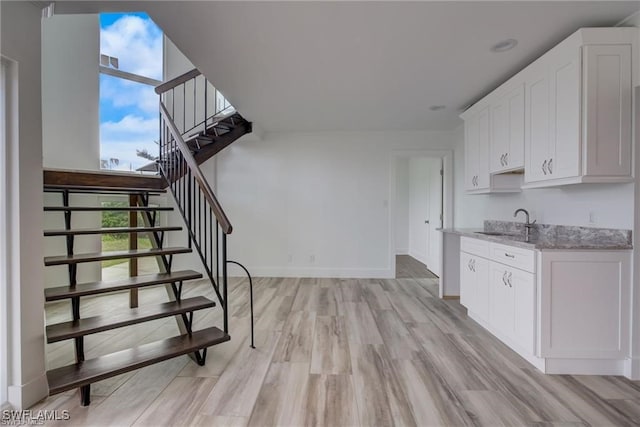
(523, 259)
(474, 246)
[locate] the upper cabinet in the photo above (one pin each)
(477, 146)
(566, 118)
(507, 131)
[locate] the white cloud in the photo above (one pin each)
(121, 139)
(137, 43)
(125, 93)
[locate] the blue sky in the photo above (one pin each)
(129, 110)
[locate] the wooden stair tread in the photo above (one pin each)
(110, 365)
(103, 256)
(111, 230)
(117, 319)
(102, 179)
(98, 189)
(100, 287)
(107, 208)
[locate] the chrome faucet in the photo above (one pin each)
(527, 225)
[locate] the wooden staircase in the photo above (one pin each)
(195, 125)
(84, 372)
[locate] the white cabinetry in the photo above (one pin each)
(477, 149)
(474, 277)
(563, 311)
(565, 119)
(585, 298)
(578, 103)
(507, 131)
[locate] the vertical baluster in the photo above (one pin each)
(206, 89)
(195, 81)
(184, 107)
(200, 216)
(224, 283)
(210, 239)
(217, 252)
(204, 243)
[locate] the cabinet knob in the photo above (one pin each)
(549, 166)
(544, 167)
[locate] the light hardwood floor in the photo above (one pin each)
(336, 352)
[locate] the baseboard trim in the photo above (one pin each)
(342, 273)
(632, 368)
(584, 366)
(451, 297)
(25, 395)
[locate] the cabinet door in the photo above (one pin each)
(607, 109)
(523, 286)
(564, 127)
(501, 301)
(484, 134)
(499, 144)
(536, 124)
(481, 297)
(515, 139)
(467, 281)
(471, 152)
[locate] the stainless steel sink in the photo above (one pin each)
(492, 233)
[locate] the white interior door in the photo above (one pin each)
(419, 220)
(434, 203)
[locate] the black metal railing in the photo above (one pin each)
(186, 111)
(193, 103)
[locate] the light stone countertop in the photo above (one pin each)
(545, 236)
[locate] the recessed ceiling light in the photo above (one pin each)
(504, 45)
(437, 107)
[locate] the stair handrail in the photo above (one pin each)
(177, 81)
(219, 213)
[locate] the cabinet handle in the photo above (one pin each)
(509, 279)
(473, 265)
(544, 167)
(504, 278)
(549, 166)
(476, 180)
(469, 265)
(509, 255)
(506, 159)
(502, 160)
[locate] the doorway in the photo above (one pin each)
(422, 204)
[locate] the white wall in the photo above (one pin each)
(21, 43)
(611, 204)
(70, 92)
(314, 204)
(70, 125)
(402, 206)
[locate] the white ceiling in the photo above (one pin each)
(313, 66)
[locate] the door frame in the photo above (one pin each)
(7, 114)
(447, 195)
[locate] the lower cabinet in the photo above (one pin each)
(474, 284)
(566, 312)
(512, 304)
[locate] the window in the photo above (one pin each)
(130, 66)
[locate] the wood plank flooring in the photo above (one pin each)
(336, 352)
